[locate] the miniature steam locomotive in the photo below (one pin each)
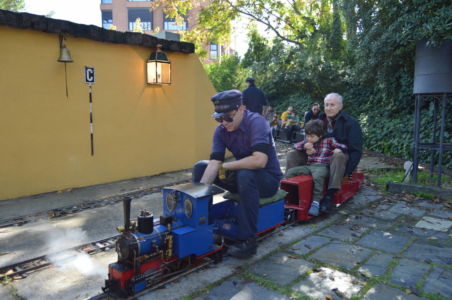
(195, 225)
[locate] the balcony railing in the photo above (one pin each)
(107, 25)
(170, 25)
(144, 25)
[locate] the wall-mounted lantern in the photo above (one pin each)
(158, 68)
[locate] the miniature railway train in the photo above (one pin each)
(196, 226)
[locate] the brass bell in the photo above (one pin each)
(65, 55)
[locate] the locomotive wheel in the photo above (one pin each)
(290, 215)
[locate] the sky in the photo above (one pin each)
(78, 11)
(88, 12)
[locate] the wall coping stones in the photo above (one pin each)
(49, 25)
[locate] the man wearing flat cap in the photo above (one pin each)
(253, 98)
(247, 136)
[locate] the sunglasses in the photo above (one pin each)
(228, 118)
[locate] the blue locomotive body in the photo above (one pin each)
(190, 228)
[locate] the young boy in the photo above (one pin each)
(319, 150)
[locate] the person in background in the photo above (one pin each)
(256, 171)
(292, 126)
(269, 114)
(319, 150)
(253, 98)
(274, 125)
(312, 114)
(284, 116)
(346, 130)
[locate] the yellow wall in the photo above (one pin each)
(139, 130)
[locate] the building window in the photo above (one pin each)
(170, 23)
(214, 51)
(107, 19)
(106, 1)
(145, 16)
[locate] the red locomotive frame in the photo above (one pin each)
(299, 195)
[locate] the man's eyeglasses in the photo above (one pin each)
(228, 118)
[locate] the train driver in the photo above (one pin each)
(254, 173)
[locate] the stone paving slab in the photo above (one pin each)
(368, 191)
(6, 294)
(407, 209)
(440, 254)
(376, 265)
(347, 233)
(281, 268)
(421, 233)
(434, 224)
(309, 244)
(341, 255)
(439, 282)
(429, 205)
(240, 289)
(408, 272)
(368, 222)
(383, 292)
(441, 213)
(361, 201)
(385, 241)
(382, 211)
(325, 282)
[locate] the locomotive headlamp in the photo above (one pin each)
(188, 208)
(158, 68)
(171, 201)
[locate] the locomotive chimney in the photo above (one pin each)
(126, 202)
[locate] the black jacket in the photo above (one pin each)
(310, 116)
(348, 131)
(254, 99)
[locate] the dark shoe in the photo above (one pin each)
(243, 250)
(326, 205)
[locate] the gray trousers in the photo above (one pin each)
(318, 171)
(338, 162)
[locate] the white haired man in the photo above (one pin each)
(346, 130)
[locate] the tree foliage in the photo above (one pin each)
(227, 74)
(363, 49)
(13, 5)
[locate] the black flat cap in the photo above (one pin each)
(250, 80)
(226, 101)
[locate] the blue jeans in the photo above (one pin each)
(250, 185)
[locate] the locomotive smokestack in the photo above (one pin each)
(126, 202)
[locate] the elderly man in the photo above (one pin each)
(256, 169)
(346, 130)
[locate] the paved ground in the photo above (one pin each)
(374, 247)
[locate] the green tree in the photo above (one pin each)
(227, 74)
(13, 5)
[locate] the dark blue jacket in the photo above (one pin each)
(254, 99)
(348, 131)
(310, 116)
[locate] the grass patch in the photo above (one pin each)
(381, 177)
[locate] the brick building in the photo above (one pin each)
(123, 15)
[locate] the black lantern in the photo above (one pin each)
(158, 68)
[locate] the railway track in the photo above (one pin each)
(85, 205)
(22, 269)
